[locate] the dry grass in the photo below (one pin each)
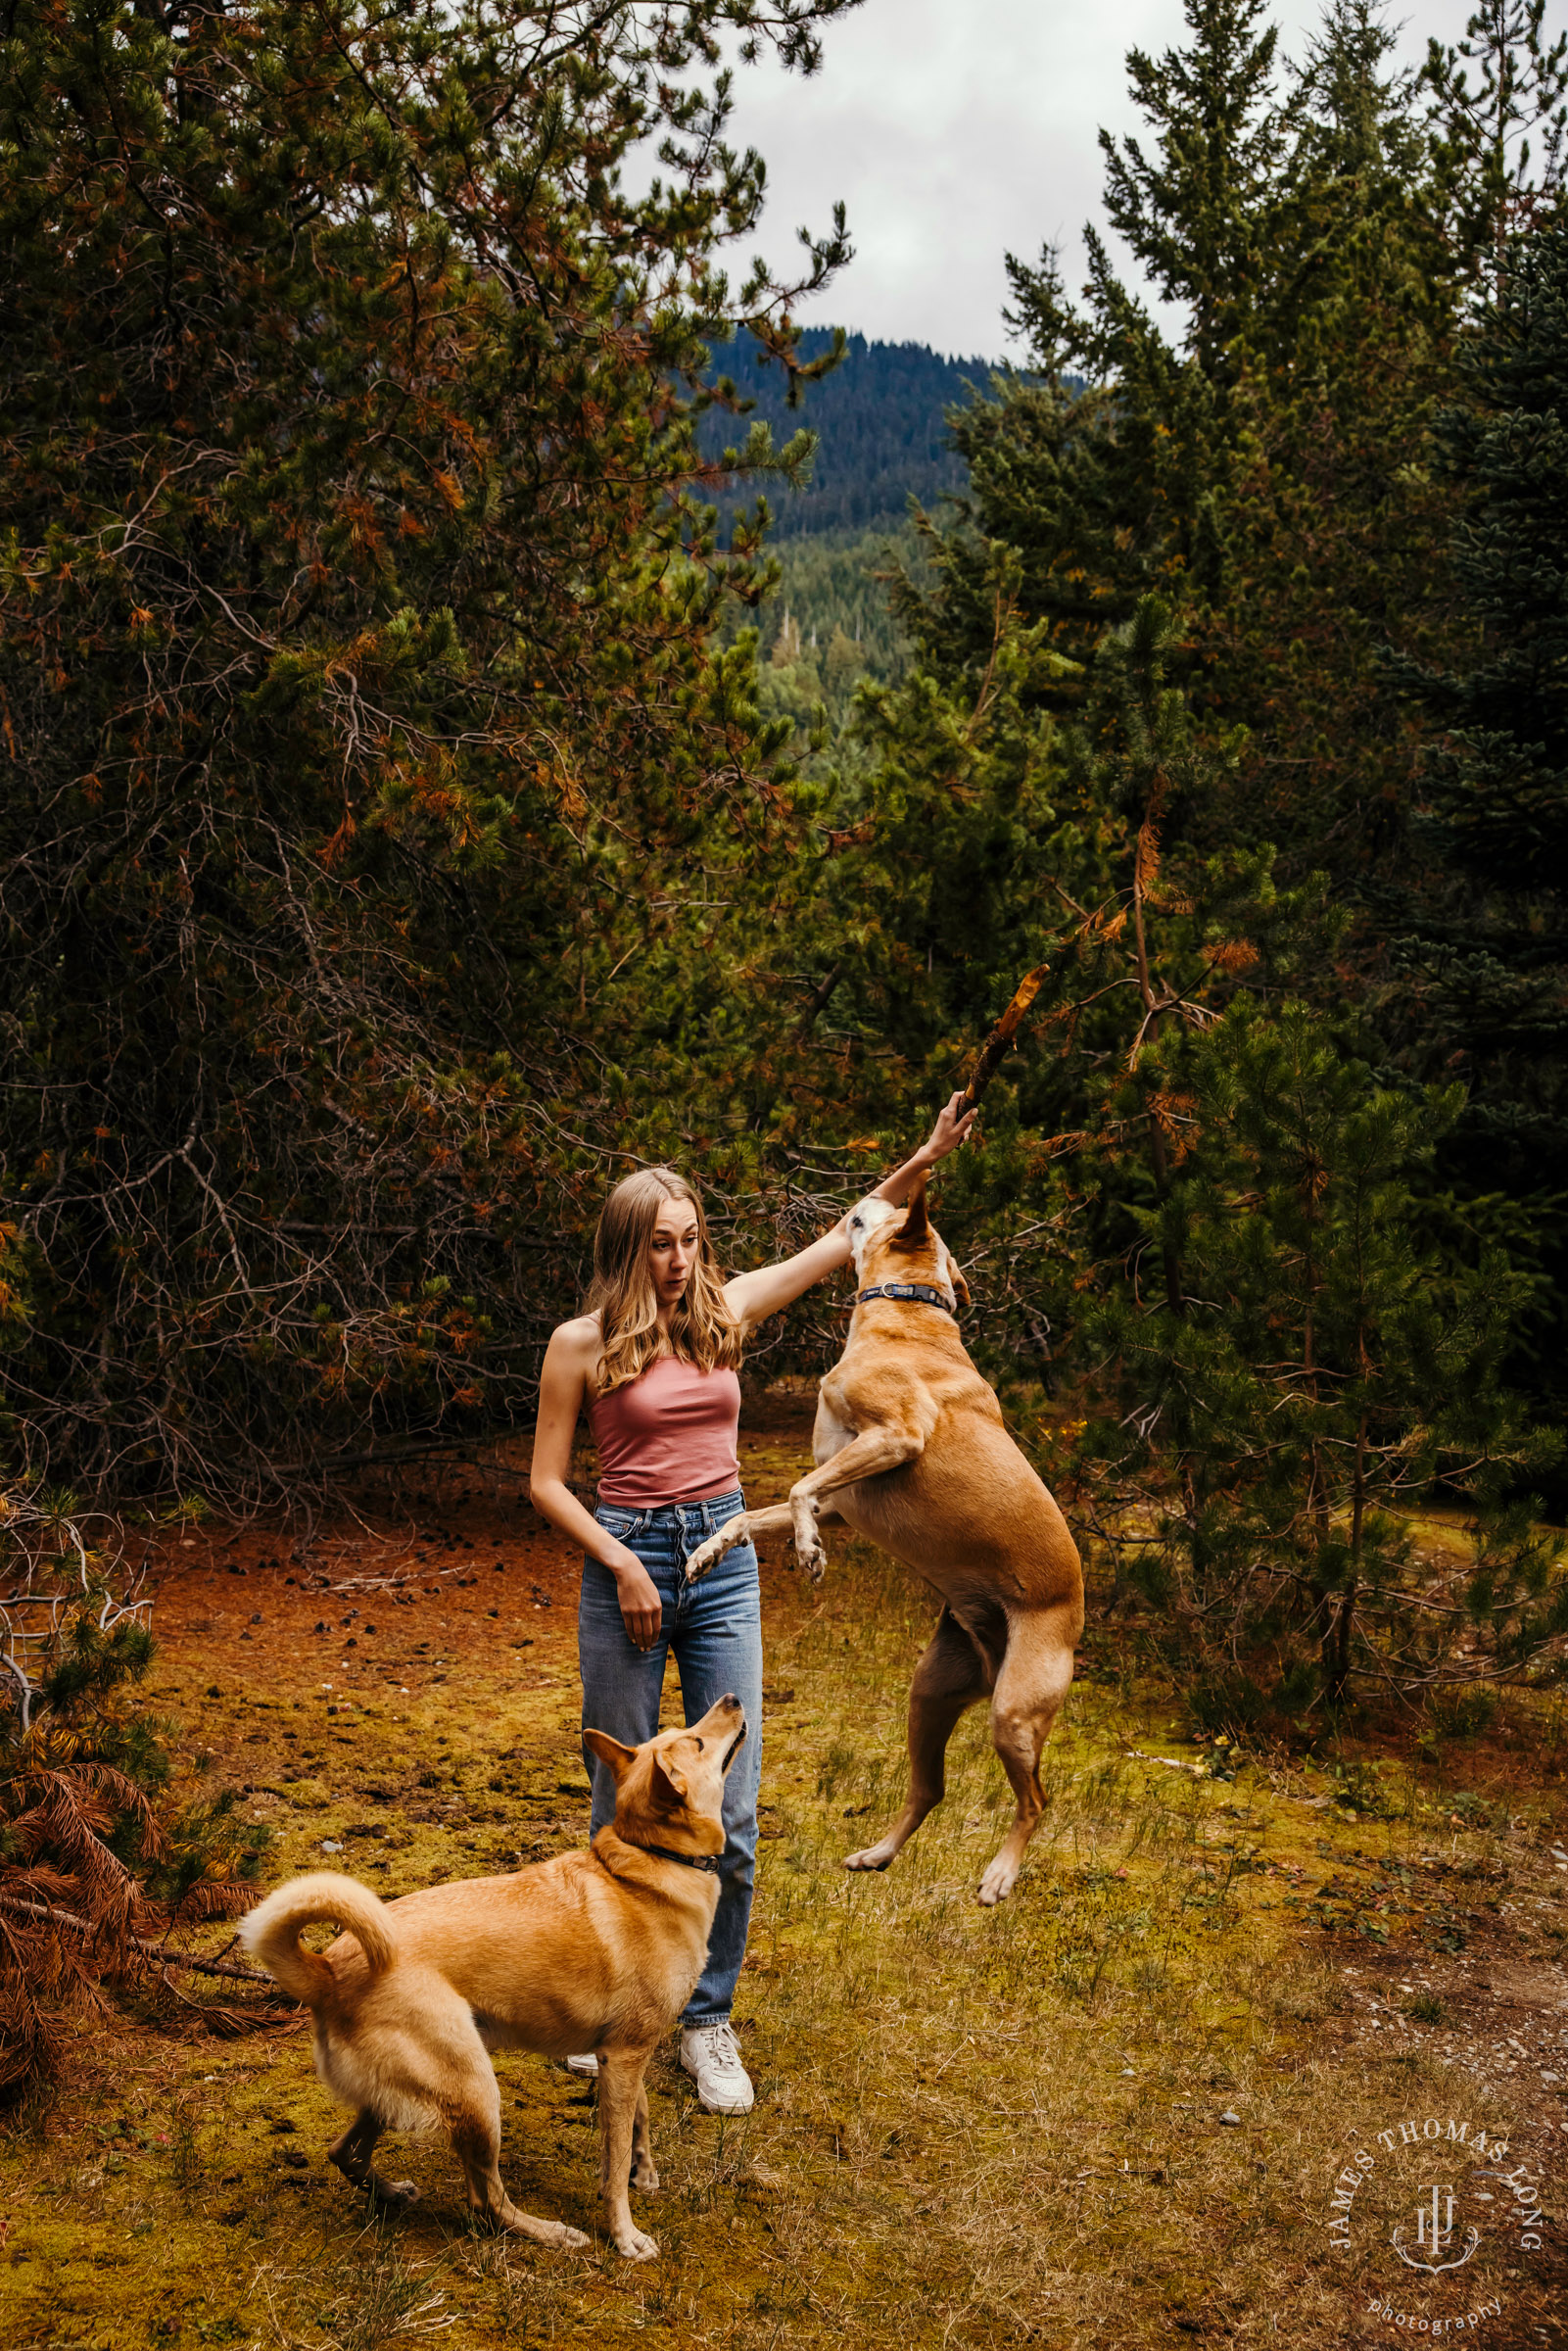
(972, 2128)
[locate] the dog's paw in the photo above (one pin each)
(997, 1883)
(391, 2196)
(811, 1555)
(644, 2176)
(708, 1554)
(557, 2235)
(875, 1856)
(702, 1558)
(636, 2246)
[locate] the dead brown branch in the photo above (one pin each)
(47, 1914)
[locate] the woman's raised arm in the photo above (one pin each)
(948, 1133)
(753, 1297)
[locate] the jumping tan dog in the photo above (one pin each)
(595, 1950)
(911, 1447)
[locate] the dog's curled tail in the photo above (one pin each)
(272, 1931)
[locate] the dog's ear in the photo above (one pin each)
(915, 1232)
(610, 1750)
(961, 1288)
(669, 1780)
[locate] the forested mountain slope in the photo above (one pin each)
(881, 416)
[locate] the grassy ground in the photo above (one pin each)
(1111, 2111)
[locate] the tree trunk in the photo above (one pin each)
(1337, 1636)
(1156, 1141)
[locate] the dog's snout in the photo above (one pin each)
(730, 1700)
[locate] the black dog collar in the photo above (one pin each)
(906, 1289)
(662, 1853)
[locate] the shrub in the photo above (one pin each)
(1463, 1712)
(98, 1863)
(1231, 1703)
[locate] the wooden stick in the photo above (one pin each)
(1001, 1037)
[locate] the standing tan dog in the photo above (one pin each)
(596, 1950)
(911, 1447)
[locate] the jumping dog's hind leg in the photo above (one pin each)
(951, 1677)
(1035, 1675)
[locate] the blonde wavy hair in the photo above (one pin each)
(702, 1329)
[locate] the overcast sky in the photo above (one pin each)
(958, 130)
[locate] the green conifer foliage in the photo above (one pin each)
(1486, 952)
(357, 684)
(1498, 803)
(104, 1865)
(1190, 1190)
(976, 839)
(1051, 480)
(1501, 150)
(1268, 463)
(1327, 1365)
(1327, 541)
(1195, 213)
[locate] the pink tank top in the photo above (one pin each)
(668, 1436)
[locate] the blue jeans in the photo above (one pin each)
(714, 1629)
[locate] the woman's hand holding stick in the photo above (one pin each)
(957, 1118)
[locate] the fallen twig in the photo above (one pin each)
(154, 1951)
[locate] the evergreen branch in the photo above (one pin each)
(155, 1952)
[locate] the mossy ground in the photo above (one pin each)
(971, 2128)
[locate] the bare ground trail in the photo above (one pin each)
(1113, 2111)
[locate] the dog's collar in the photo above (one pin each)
(907, 1289)
(664, 1852)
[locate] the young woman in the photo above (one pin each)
(653, 1359)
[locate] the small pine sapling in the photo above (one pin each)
(101, 1860)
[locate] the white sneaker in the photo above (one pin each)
(586, 2065)
(710, 2054)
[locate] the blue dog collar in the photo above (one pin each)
(906, 1289)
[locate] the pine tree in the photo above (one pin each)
(1330, 534)
(1491, 176)
(1265, 467)
(105, 1861)
(1499, 800)
(360, 709)
(1053, 480)
(1195, 214)
(1327, 1365)
(974, 838)
(1487, 957)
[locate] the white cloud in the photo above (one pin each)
(956, 131)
